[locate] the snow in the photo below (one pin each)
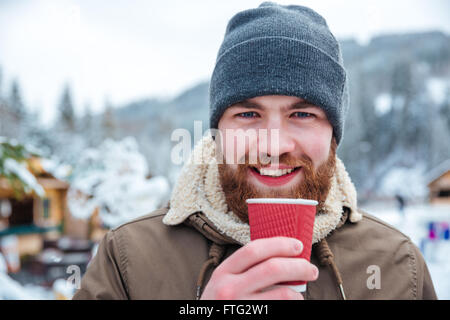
(383, 103)
(113, 179)
(20, 170)
(10, 289)
(56, 168)
(438, 88)
(408, 182)
(414, 223)
(3, 265)
(64, 288)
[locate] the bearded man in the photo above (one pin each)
(279, 85)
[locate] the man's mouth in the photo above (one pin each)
(274, 172)
(275, 176)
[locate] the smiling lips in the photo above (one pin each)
(275, 175)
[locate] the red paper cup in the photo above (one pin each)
(274, 217)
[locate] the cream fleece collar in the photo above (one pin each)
(198, 189)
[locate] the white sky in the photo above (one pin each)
(124, 50)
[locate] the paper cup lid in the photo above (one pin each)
(299, 288)
(283, 200)
(296, 288)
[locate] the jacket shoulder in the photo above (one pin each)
(373, 223)
(166, 258)
(373, 243)
(151, 218)
(150, 259)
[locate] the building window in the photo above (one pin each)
(46, 208)
(444, 193)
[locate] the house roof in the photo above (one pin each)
(52, 183)
(437, 172)
(44, 178)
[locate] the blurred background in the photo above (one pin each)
(91, 91)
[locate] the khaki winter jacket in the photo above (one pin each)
(146, 259)
(172, 252)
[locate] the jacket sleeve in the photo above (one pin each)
(425, 284)
(104, 277)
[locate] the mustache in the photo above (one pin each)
(286, 159)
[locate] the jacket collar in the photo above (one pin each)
(198, 195)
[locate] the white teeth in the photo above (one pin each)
(274, 173)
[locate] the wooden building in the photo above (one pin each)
(32, 225)
(439, 184)
(31, 218)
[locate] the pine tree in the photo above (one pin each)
(1, 82)
(67, 114)
(87, 121)
(445, 108)
(88, 127)
(68, 142)
(109, 123)
(12, 112)
(15, 102)
(13, 158)
(403, 100)
(2, 106)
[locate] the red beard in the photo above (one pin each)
(314, 185)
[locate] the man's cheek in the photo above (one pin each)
(317, 152)
(229, 151)
(236, 148)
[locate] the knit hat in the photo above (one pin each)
(280, 50)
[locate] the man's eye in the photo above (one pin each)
(303, 114)
(249, 114)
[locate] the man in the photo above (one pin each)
(278, 82)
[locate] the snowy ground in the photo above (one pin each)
(414, 223)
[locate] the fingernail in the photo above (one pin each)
(315, 272)
(298, 246)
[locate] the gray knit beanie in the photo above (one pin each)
(280, 50)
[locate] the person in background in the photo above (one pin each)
(401, 203)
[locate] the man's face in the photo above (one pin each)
(272, 147)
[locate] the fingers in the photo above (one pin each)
(278, 293)
(259, 250)
(276, 270)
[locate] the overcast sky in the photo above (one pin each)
(123, 50)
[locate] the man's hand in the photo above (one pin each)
(251, 271)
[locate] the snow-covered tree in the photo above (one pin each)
(1, 82)
(67, 114)
(445, 108)
(88, 127)
(113, 179)
(109, 123)
(67, 143)
(13, 167)
(12, 113)
(15, 102)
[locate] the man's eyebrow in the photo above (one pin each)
(254, 105)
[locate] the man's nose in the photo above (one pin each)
(276, 141)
